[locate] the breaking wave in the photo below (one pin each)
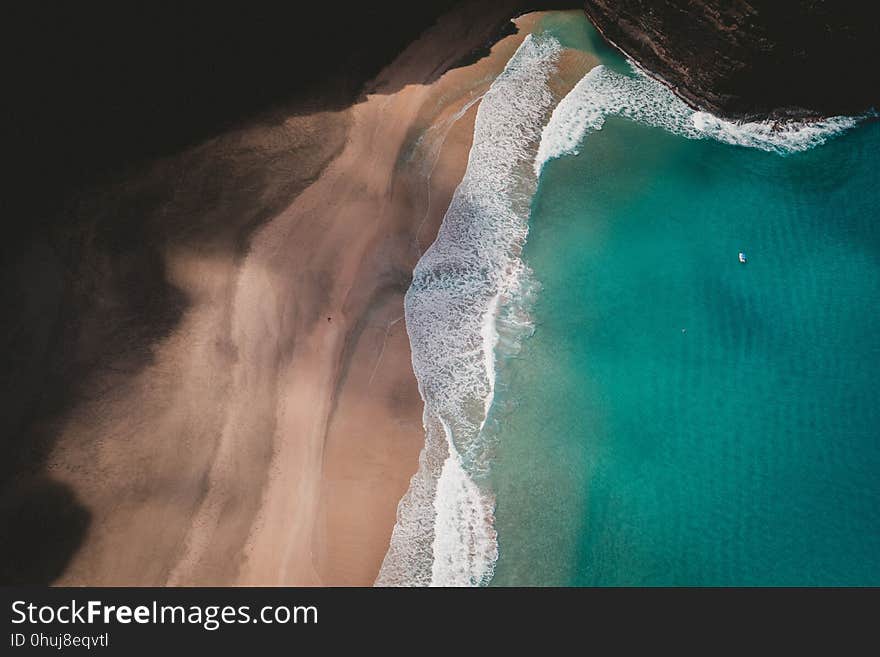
(445, 531)
(603, 92)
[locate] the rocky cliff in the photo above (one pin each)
(753, 58)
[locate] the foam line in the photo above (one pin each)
(603, 92)
(445, 526)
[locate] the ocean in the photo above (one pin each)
(611, 396)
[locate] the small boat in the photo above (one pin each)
(742, 257)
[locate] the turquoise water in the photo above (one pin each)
(679, 418)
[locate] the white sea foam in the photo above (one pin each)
(444, 533)
(489, 333)
(603, 92)
(465, 547)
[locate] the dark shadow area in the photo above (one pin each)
(504, 30)
(98, 87)
(753, 58)
(43, 524)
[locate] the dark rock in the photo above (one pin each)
(754, 58)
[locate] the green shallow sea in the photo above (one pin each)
(680, 418)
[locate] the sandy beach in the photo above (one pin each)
(273, 430)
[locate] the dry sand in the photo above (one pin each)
(275, 429)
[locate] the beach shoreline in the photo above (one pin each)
(274, 429)
(366, 451)
(471, 276)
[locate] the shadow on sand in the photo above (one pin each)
(107, 108)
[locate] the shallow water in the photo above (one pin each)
(679, 417)
(658, 412)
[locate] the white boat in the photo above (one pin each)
(742, 257)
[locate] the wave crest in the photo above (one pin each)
(603, 92)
